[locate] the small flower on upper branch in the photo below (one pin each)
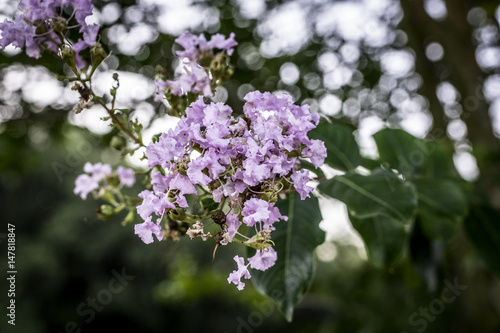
(198, 74)
(39, 25)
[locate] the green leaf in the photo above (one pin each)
(194, 204)
(288, 280)
(402, 150)
(483, 228)
(380, 193)
(384, 238)
(442, 206)
(342, 148)
(439, 163)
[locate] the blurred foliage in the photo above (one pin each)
(64, 255)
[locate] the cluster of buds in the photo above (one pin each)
(205, 65)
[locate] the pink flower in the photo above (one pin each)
(255, 210)
(242, 271)
(233, 223)
(263, 259)
(126, 176)
(146, 230)
(84, 184)
(300, 179)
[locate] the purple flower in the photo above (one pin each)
(16, 32)
(84, 184)
(255, 210)
(233, 223)
(22, 31)
(255, 172)
(192, 44)
(220, 42)
(242, 271)
(316, 151)
(263, 259)
(274, 216)
(146, 230)
(149, 204)
(300, 179)
(126, 176)
(83, 9)
(189, 42)
(163, 151)
(99, 171)
(183, 184)
(194, 79)
(208, 161)
(160, 182)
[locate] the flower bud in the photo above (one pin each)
(161, 73)
(105, 212)
(97, 55)
(118, 142)
(180, 168)
(129, 218)
(59, 25)
(269, 196)
(68, 56)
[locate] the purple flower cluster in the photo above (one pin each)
(40, 25)
(94, 174)
(195, 78)
(195, 46)
(246, 160)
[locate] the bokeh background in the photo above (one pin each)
(420, 65)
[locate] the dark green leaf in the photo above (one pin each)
(439, 163)
(209, 204)
(402, 150)
(342, 148)
(382, 192)
(369, 163)
(441, 206)
(383, 236)
(483, 228)
(288, 280)
(194, 205)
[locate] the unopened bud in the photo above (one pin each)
(161, 73)
(59, 25)
(97, 55)
(118, 142)
(105, 212)
(68, 56)
(129, 218)
(268, 196)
